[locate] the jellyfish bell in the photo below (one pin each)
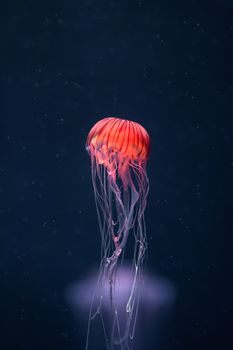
(120, 135)
(119, 150)
(118, 144)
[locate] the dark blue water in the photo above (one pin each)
(67, 64)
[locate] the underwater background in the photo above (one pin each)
(67, 64)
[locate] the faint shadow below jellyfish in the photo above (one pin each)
(157, 296)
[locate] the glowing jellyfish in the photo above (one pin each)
(119, 150)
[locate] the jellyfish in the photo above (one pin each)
(119, 150)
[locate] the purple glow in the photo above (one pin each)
(154, 293)
(157, 295)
